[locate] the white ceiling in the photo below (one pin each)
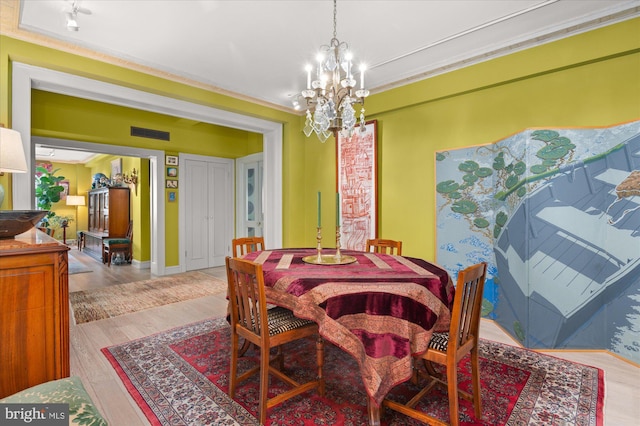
(47, 153)
(258, 49)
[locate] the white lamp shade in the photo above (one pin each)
(12, 158)
(75, 200)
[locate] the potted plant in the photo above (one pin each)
(60, 221)
(48, 191)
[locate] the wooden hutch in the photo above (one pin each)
(34, 318)
(109, 215)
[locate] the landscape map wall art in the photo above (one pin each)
(556, 214)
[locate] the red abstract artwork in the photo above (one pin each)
(357, 186)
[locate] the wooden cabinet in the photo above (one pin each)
(34, 311)
(109, 211)
(109, 214)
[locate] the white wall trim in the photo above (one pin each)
(141, 265)
(26, 77)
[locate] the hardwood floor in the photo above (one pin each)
(101, 275)
(622, 394)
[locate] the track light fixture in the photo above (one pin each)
(72, 22)
(72, 15)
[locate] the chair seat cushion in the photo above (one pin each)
(439, 341)
(110, 241)
(281, 320)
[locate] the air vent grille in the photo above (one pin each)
(150, 133)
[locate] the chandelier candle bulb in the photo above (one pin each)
(362, 68)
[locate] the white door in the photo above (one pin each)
(208, 210)
(249, 193)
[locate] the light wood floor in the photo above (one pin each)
(622, 379)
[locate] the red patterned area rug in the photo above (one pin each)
(180, 377)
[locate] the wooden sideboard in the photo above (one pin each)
(109, 215)
(34, 311)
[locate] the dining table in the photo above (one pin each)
(380, 308)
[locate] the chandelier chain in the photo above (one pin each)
(335, 19)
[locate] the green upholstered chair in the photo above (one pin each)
(124, 245)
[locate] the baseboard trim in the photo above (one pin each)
(169, 270)
(141, 265)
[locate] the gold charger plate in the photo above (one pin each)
(328, 259)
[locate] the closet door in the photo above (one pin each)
(207, 187)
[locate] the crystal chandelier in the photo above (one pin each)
(331, 91)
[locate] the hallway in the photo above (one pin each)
(103, 276)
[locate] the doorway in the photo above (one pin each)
(60, 151)
(25, 77)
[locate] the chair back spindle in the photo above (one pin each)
(380, 245)
(246, 294)
(242, 246)
(465, 317)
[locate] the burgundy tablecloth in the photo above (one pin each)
(380, 309)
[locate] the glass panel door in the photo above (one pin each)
(249, 180)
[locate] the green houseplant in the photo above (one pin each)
(48, 191)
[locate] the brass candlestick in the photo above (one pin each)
(319, 240)
(338, 255)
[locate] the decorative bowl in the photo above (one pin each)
(15, 222)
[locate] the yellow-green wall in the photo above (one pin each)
(68, 117)
(590, 79)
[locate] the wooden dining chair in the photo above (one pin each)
(242, 246)
(266, 329)
(385, 246)
(449, 348)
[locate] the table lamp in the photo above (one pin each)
(12, 158)
(75, 200)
